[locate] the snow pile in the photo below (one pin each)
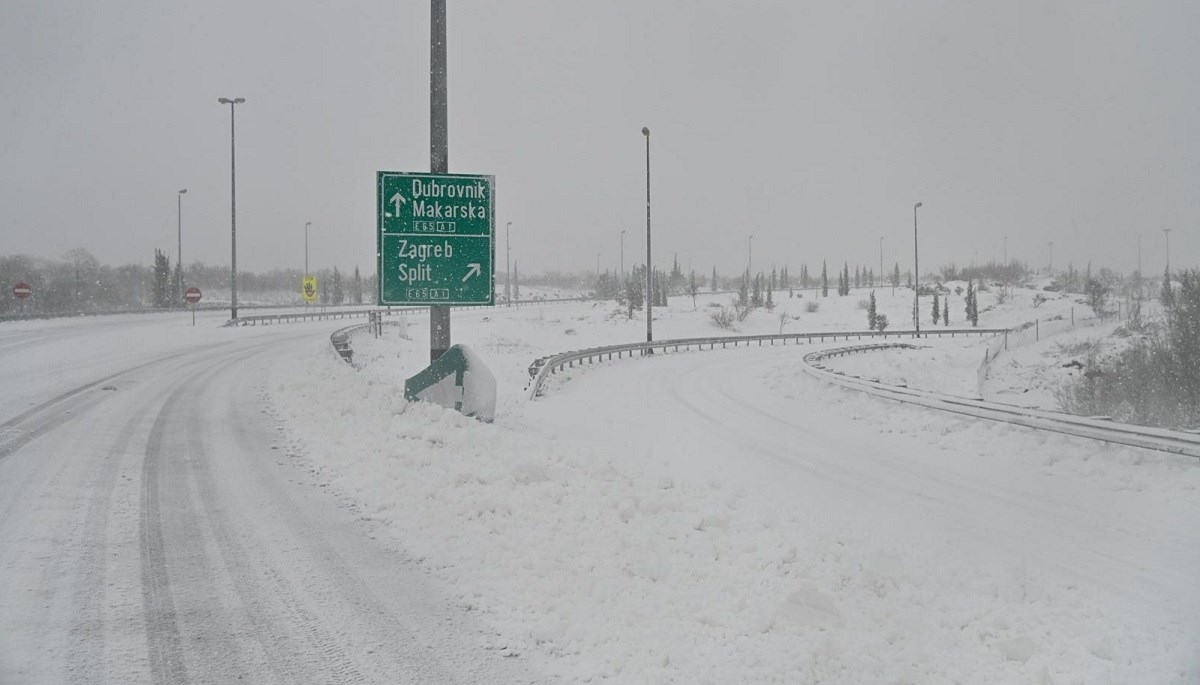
(600, 562)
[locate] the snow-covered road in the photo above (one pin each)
(152, 531)
(1089, 552)
(205, 504)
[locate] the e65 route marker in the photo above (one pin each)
(435, 238)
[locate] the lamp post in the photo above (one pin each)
(179, 238)
(233, 103)
(749, 255)
(622, 256)
(649, 263)
(1005, 286)
(1167, 233)
(916, 275)
(880, 263)
(597, 266)
(306, 225)
(507, 265)
(1051, 265)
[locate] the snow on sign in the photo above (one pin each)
(435, 238)
(192, 295)
(21, 290)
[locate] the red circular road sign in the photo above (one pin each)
(22, 290)
(192, 295)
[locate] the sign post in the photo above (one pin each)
(192, 296)
(21, 290)
(435, 239)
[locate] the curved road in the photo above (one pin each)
(151, 531)
(999, 494)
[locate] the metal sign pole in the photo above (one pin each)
(439, 152)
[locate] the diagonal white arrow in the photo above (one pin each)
(473, 271)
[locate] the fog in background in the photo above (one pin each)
(812, 126)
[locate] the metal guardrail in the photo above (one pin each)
(295, 317)
(544, 367)
(1186, 443)
(340, 339)
(1097, 428)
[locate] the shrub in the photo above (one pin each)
(812, 306)
(722, 318)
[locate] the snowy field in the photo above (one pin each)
(722, 517)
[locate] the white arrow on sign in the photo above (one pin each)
(475, 270)
(397, 200)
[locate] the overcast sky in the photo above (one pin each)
(812, 126)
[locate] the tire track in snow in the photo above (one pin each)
(162, 627)
(85, 658)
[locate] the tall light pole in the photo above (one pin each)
(880, 262)
(507, 265)
(1004, 287)
(597, 266)
(622, 256)
(306, 225)
(916, 275)
(1167, 233)
(1051, 265)
(233, 103)
(649, 263)
(179, 237)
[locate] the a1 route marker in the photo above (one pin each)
(435, 238)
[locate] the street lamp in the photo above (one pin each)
(1167, 233)
(306, 225)
(597, 265)
(507, 265)
(233, 103)
(622, 256)
(749, 255)
(880, 263)
(179, 237)
(916, 275)
(649, 263)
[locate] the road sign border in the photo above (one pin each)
(491, 236)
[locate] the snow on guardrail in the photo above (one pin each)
(542, 368)
(1097, 428)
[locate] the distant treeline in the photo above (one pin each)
(78, 283)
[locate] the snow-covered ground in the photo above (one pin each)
(722, 517)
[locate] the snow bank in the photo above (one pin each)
(597, 566)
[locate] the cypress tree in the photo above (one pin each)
(946, 311)
(824, 280)
(714, 279)
(937, 310)
(871, 312)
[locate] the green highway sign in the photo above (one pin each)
(434, 239)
